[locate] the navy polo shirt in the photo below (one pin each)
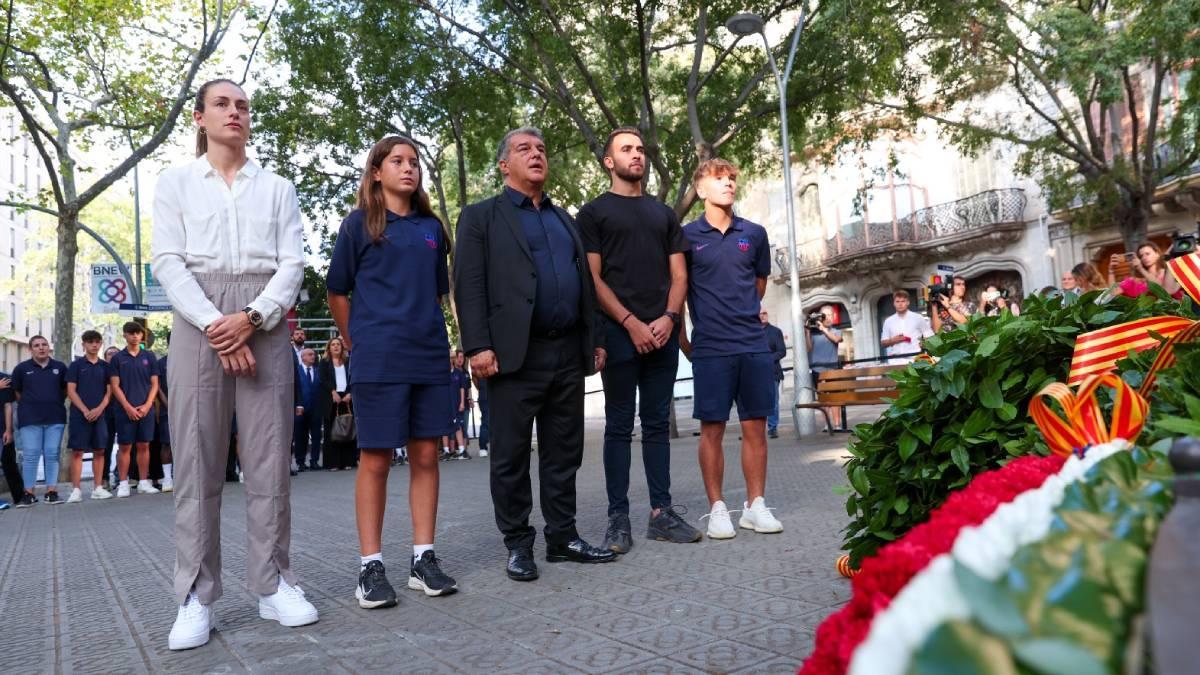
(135, 373)
(397, 328)
(458, 381)
(6, 397)
(91, 380)
(722, 291)
(43, 390)
(556, 303)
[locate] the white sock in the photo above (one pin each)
(368, 558)
(445, 448)
(419, 550)
(168, 471)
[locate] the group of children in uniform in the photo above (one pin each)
(124, 397)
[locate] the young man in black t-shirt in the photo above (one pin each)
(636, 249)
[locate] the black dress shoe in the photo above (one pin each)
(521, 566)
(578, 550)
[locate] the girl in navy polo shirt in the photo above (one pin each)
(385, 282)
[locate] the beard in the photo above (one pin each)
(627, 174)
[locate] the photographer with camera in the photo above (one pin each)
(822, 340)
(953, 311)
(993, 302)
(1147, 265)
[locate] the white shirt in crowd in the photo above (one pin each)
(913, 325)
(339, 374)
(201, 225)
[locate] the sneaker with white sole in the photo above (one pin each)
(100, 493)
(168, 485)
(145, 487)
(483, 452)
(719, 524)
(123, 489)
(756, 516)
(75, 497)
(193, 624)
(288, 606)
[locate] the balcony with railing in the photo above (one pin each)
(957, 226)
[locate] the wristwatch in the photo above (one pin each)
(673, 316)
(255, 316)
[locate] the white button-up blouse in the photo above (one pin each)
(202, 225)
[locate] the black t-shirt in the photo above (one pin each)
(635, 237)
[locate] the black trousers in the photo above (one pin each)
(548, 391)
(306, 438)
(12, 471)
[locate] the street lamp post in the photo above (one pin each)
(750, 24)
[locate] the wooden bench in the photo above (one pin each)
(853, 386)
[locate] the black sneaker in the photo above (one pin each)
(27, 500)
(668, 525)
(427, 575)
(464, 455)
(619, 536)
(52, 497)
(374, 591)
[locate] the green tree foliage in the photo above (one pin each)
(98, 76)
(1107, 105)
(968, 412)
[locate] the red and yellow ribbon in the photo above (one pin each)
(1098, 351)
(1082, 423)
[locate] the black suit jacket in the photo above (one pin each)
(495, 284)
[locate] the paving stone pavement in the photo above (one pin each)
(89, 585)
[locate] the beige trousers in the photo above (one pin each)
(203, 400)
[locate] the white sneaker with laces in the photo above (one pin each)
(168, 485)
(76, 496)
(123, 489)
(100, 493)
(719, 524)
(288, 606)
(145, 487)
(483, 453)
(192, 626)
(756, 516)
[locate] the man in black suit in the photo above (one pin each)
(529, 321)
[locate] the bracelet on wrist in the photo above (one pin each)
(626, 319)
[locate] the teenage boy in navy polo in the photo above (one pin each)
(89, 393)
(728, 265)
(636, 250)
(40, 385)
(134, 379)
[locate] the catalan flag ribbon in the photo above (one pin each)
(1098, 351)
(1082, 423)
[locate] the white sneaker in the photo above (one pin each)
(287, 606)
(192, 626)
(168, 485)
(241, 477)
(123, 489)
(76, 496)
(482, 453)
(719, 525)
(145, 487)
(100, 493)
(759, 518)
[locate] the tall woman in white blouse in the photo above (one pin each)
(227, 249)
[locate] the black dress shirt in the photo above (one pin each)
(556, 302)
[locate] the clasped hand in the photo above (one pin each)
(227, 336)
(649, 337)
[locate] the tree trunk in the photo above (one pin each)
(1133, 223)
(64, 284)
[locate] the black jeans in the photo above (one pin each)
(484, 421)
(548, 390)
(12, 471)
(653, 376)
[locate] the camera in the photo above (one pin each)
(813, 322)
(1182, 244)
(933, 291)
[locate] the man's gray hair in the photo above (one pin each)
(502, 151)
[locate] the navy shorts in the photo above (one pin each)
(719, 381)
(85, 435)
(134, 431)
(386, 414)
